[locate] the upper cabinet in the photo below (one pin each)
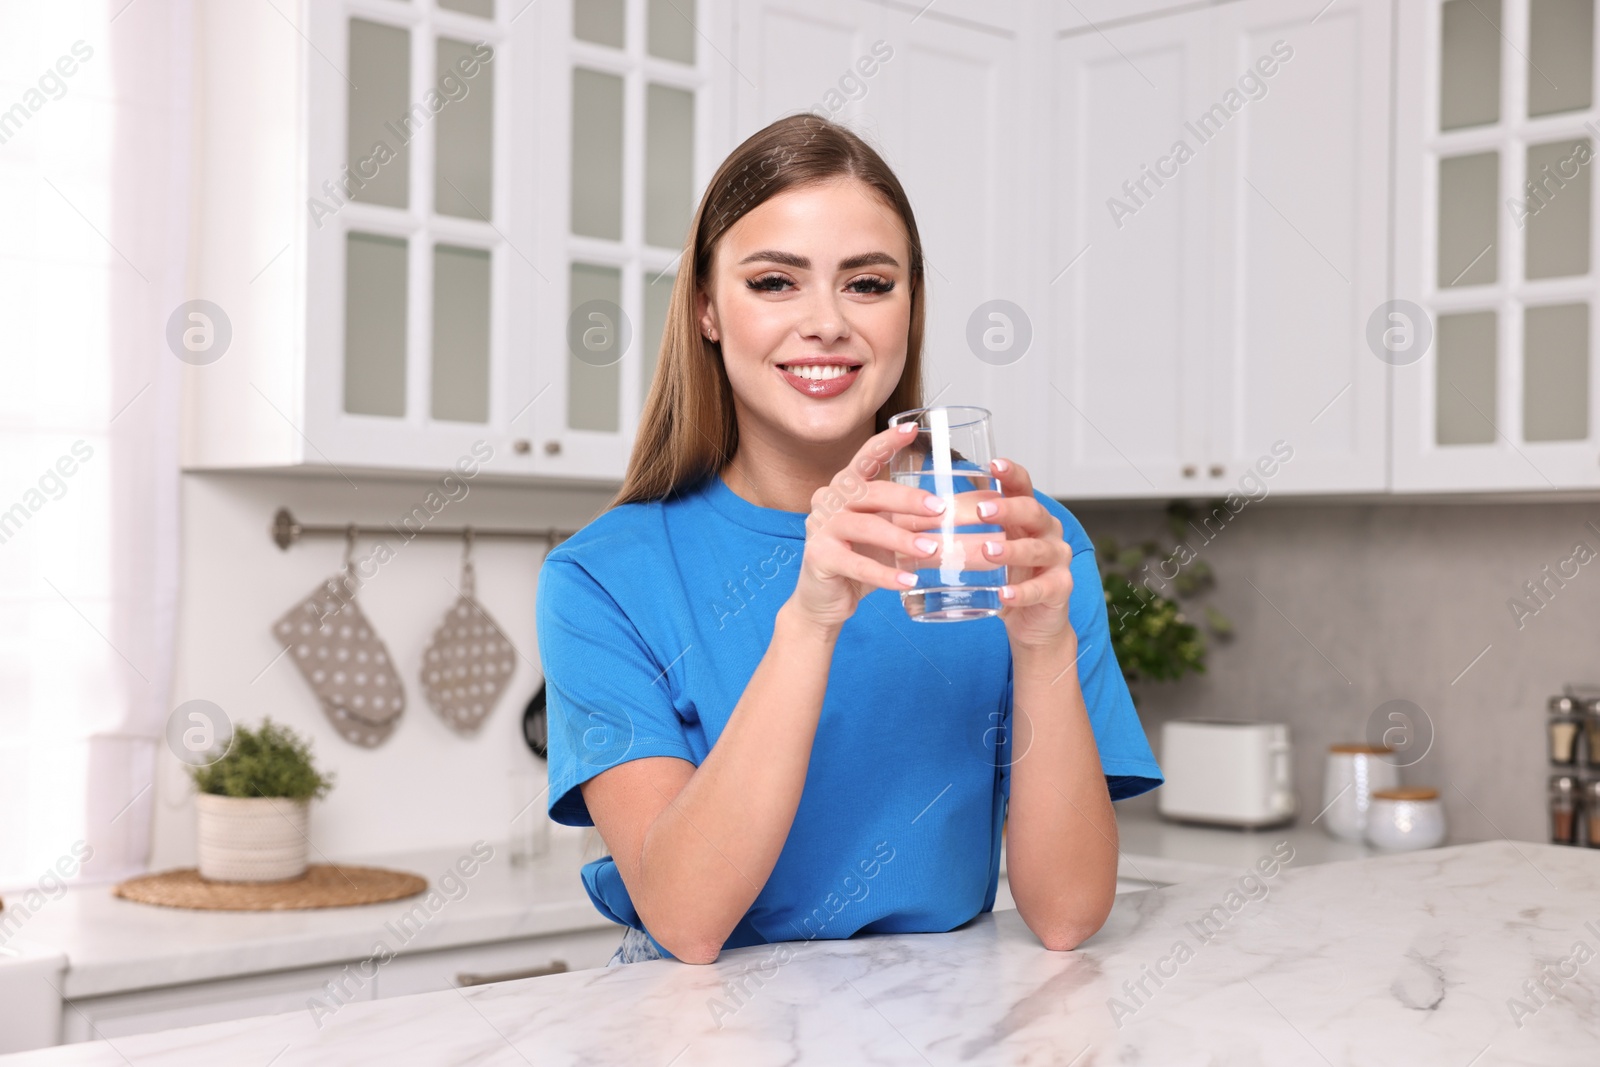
(1493, 345)
(1219, 226)
(941, 94)
(1173, 246)
(426, 223)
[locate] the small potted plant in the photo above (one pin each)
(254, 806)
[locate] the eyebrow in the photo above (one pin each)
(789, 259)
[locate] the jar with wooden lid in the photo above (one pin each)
(1405, 819)
(1591, 809)
(1565, 806)
(1353, 771)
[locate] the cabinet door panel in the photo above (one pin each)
(427, 972)
(1301, 207)
(100, 1018)
(1129, 258)
(982, 342)
(793, 56)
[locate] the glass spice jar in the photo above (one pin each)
(1591, 713)
(1566, 725)
(1591, 807)
(1565, 804)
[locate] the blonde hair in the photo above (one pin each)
(688, 429)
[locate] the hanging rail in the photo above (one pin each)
(287, 530)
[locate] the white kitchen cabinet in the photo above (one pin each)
(1220, 232)
(944, 101)
(1301, 229)
(320, 990)
(389, 222)
(99, 1018)
(1494, 387)
(1128, 317)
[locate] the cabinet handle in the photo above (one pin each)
(469, 978)
(522, 446)
(1190, 470)
(1216, 470)
(552, 448)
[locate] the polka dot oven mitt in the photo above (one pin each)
(347, 666)
(468, 663)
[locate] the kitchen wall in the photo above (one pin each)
(426, 785)
(1356, 605)
(1377, 602)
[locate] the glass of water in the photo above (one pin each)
(950, 458)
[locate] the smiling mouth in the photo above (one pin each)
(817, 372)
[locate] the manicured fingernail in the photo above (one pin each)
(992, 547)
(1007, 593)
(926, 545)
(906, 427)
(935, 504)
(987, 509)
(907, 579)
(1001, 465)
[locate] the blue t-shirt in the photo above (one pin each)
(651, 621)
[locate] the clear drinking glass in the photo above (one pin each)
(529, 824)
(950, 458)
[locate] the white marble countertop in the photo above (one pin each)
(117, 946)
(1409, 959)
(114, 945)
(1155, 850)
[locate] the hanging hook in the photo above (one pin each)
(469, 578)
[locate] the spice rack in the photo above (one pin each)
(1573, 732)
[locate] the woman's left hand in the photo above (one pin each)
(1037, 559)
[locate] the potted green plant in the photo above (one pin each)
(1154, 640)
(254, 806)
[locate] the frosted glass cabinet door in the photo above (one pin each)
(379, 92)
(1469, 62)
(597, 338)
(1560, 56)
(464, 130)
(375, 325)
(668, 165)
(596, 154)
(1494, 246)
(460, 334)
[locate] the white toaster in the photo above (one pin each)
(1226, 771)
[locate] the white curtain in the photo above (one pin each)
(95, 174)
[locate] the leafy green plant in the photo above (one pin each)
(272, 761)
(1153, 638)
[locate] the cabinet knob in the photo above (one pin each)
(1190, 470)
(1216, 470)
(552, 448)
(522, 446)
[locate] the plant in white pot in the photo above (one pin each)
(254, 805)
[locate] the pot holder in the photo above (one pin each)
(469, 662)
(340, 656)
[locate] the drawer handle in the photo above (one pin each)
(1190, 470)
(468, 978)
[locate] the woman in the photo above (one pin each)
(770, 747)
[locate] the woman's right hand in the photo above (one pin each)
(851, 538)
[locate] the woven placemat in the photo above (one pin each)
(322, 886)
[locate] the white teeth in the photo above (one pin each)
(818, 371)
